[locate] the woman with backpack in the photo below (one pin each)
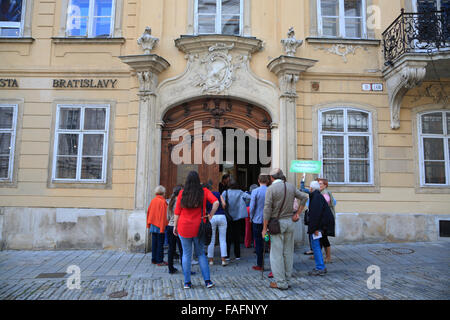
(190, 208)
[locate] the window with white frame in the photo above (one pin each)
(431, 5)
(434, 143)
(342, 18)
(218, 17)
(81, 143)
(12, 17)
(8, 119)
(90, 18)
(345, 146)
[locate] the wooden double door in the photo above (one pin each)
(193, 119)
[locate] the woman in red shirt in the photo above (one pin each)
(189, 210)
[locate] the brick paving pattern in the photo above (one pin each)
(418, 271)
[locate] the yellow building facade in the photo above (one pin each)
(90, 90)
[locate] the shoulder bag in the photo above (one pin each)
(274, 223)
(205, 230)
(227, 209)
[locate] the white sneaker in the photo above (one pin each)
(211, 263)
(224, 263)
(194, 262)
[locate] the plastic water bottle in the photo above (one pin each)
(266, 237)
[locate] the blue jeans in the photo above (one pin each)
(199, 248)
(317, 253)
(259, 243)
(157, 247)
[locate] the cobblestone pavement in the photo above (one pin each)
(408, 271)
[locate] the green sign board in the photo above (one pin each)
(306, 166)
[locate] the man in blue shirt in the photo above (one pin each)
(257, 218)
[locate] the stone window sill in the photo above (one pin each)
(320, 40)
(354, 188)
(79, 185)
(16, 40)
(70, 40)
(433, 190)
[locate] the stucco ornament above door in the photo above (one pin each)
(217, 73)
(218, 65)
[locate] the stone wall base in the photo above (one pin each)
(72, 228)
(380, 227)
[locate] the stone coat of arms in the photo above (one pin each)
(219, 69)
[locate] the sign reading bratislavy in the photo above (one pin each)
(85, 83)
(306, 166)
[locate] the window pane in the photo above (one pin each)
(103, 8)
(69, 118)
(94, 118)
(357, 121)
(93, 145)
(435, 172)
(10, 11)
(433, 149)
(333, 170)
(231, 6)
(333, 147)
(352, 8)
(5, 143)
(330, 7)
(333, 121)
(358, 147)
(359, 170)
(101, 27)
(9, 32)
(206, 6)
(330, 27)
(230, 25)
(66, 167)
(67, 144)
(79, 8)
(77, 27)
(91, 168)
(206, 24)
(4, 167)
(353, 27)
(6, 117)
(432, 123)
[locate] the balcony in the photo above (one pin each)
(425, 32)
(416, 47)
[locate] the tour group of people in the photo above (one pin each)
(231, 211)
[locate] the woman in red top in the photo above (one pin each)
(188, 212)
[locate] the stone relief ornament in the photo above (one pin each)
(434, 91)
(219, 70)
(291, 44)
(147, 80)
(341, 50)
(147, 41)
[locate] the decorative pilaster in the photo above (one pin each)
(147, 68)
(288, 70)
(399, 79)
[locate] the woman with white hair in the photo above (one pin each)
(157, 222)
(321, 219)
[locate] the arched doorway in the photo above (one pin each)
(225, 116)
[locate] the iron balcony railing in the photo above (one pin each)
(416, 32)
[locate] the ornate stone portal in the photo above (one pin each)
(217, 66)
